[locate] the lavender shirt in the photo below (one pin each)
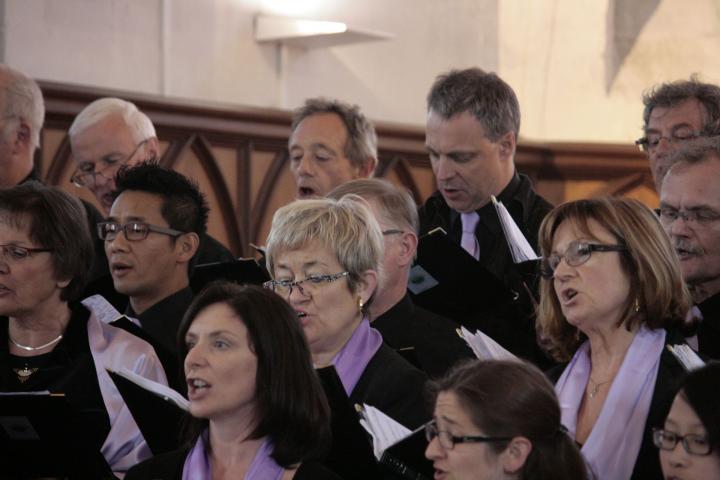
(351, 360)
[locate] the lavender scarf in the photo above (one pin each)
(263, 467)
(612, 447)
(351, 360)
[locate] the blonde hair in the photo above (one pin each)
(649, 262)
(346, 226)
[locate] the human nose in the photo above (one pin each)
(195, 358)
(444, 168)
(678, 456)
(304, 166)
(434, 450)
(119, 242)
(680, 225)
(296, 294)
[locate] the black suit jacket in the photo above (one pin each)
(392, 385)
(513, 324)
(669, 378)
(433, 338)
(169, 466)
(708, 332)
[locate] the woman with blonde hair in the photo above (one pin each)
(324, 256)
(612, 297)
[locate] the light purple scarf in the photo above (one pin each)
(612, 447)
(263, 467)
(351, 360)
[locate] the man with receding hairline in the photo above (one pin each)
(331, 142)
(471, 134)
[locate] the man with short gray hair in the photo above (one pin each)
(690, 214)
(677, 112)
(23, 113)
(428, 339)
(473, 121)
(330, 142)
(106, 134)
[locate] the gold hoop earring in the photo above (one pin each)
(360, 304)
(637, 305)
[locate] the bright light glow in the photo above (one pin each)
(317, 27)
(292, 8)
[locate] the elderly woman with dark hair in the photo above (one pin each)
(499, 420)
(324, 256)
(689, 442)
(612, 297)
(50, 342)
(258, 410)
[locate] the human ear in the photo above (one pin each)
(367, 285)
(507, 144)
(515, 455)
(187, 245)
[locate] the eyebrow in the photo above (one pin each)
(213, 334)
(305, 266)
(448, 420)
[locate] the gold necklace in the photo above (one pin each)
(24, 373)
(594, 390)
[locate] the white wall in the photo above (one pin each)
(578, 67)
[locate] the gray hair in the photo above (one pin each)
(396, 205)
(696, 151)
(346, 226)
(485, 95)
(23, 101)
(361, 146)
(671, 94)
(139, 124)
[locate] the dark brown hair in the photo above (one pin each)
(54, 220)
(290, 403)
(649, 262)
(514, 399)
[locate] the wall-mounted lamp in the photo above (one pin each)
(310, 33)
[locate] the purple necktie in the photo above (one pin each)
(469, 240)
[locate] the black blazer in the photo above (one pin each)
(433, 338)
(169, 466)
(708, 331)
(391, 384)
(670, 375)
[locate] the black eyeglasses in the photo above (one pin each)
(14, 253)
(650, 141)
(576, 253)
(134, 231)
(85, 174)
(448, 441)
(311, 284)
(692, 443)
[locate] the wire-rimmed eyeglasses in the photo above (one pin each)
(85, 174)
(311, 284)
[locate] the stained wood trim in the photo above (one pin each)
(279, 162)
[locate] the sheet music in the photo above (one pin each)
(520, 249)
(384, 430)
(102, 309)
(484, 347)
(686, 356)
(157, 388)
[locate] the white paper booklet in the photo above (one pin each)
(157, 388)
(484, 347)
(686, 356)
(384, 430)
(520, 248)
(102, 309)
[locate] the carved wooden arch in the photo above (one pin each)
(58, 162)
(401, 167)
(279, 162)
(202, 149)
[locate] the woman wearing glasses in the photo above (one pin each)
(324, 257)
(612, 297)
(50, 342)
(258, 410)
(499, 420)
(689, 442)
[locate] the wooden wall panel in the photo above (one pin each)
(239, 158)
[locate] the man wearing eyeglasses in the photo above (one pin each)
(151, 236)
(674, 114)
(690, 214)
